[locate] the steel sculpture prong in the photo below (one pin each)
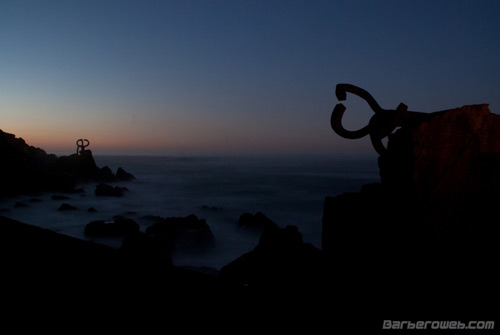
(381, 125)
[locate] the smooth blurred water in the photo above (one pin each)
(288, 189)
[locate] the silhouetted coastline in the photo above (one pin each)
(383, 255)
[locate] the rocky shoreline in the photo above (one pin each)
(387, 251)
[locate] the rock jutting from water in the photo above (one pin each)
(188, 234)
(27, 169)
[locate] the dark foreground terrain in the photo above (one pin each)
(422, 245)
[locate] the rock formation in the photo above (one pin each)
(452, 156)
(187, 234)
(106, 190)
(281, 262)
(27, 169)
(407, 240)
(258, 222)
(117, 227)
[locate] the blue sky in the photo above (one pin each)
(234, 76)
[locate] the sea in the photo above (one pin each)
(289, 189)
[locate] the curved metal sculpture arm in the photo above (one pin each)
(341, 89)
(336, 122)
(381, 125)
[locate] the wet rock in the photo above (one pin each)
(105, 174)
(27, 169)
(60, 197)
(257, 222)
(80, 166)
(280, 262)
(66, 207)
(211, 208)
(109, 191)
(187, 234)
(117, 227)
(121, 174)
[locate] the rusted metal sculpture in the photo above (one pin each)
(381, 125)
(81, 144)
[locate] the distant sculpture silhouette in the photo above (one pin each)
(381, 125)
(81, 144)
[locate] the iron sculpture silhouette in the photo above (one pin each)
(381, 125)
(81, 144)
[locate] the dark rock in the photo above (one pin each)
(281, 262)
(60, 197)
(20, 204)
(145, 248)
(66, 207)
(429, 219)
(257, 222)
(412, 253)
(26, 169)
(41, 253)
(211, 208)
(117, 227)
(109, 191)
(187, 234)
(35, 200)
(92, 210)
(450, 157)
(105, 174)
(73, 274)
(80, 166)
(121, 174)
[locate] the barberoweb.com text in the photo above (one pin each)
(390, 324)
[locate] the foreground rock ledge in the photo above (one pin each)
(40, 264)
(428, 234)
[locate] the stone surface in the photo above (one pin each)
(187, 234)
(281, 262)
(117, 227)
(408, 241)
(106, 190)
(27, 169)
(258, 222)
(41, 268)
(121, 174)
(451, 156)
(145, 248)
(66, 207)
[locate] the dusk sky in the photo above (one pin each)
(234, 76)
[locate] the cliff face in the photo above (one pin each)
(427, 235)
(453, 156)
(27, 169)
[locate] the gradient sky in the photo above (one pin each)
(234, 76)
